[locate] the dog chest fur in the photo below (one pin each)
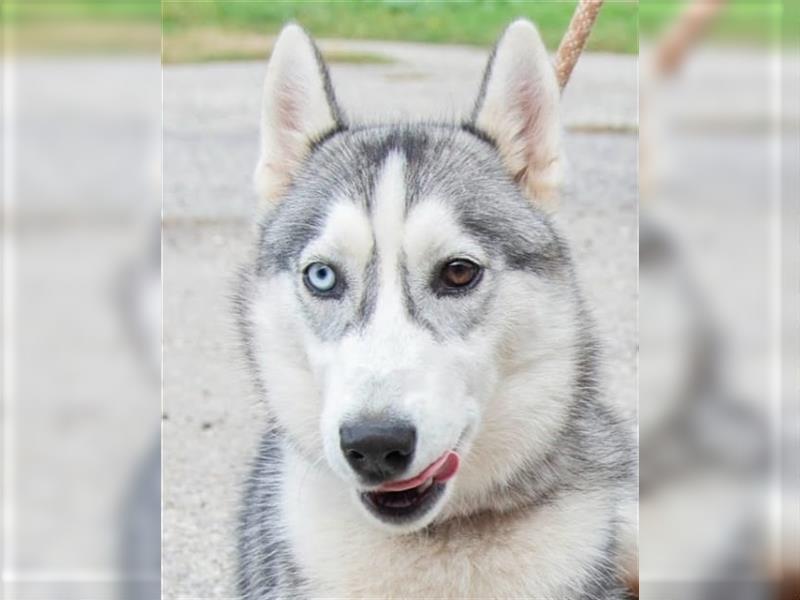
(531, 553)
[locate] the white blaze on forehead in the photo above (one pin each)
(388, 214)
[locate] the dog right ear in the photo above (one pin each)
(298, 108)
(518, 108)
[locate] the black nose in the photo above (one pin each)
(378, 450)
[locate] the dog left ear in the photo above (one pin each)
(298, 108)
(518, 107)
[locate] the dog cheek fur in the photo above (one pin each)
(535, 365)
(283, 365)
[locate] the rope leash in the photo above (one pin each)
(690, 26)
(670, 53)
(574, 39)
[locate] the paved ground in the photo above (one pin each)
(211, 111)
(210, 133)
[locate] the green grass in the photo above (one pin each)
(202, 30)
(208, 44)
(24, 11)
(740, 21)
(476, 22)
(464, 21)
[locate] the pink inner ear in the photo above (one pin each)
(525, 103)
(288, 111)
(285, 146)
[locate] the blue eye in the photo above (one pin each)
(319, 277)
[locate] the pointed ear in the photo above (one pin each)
(298, 108)
(518, 108)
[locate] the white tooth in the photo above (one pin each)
(426, 485)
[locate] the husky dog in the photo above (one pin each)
(414, 324)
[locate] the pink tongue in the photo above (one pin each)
(441, 470)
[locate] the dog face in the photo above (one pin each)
(412, 317)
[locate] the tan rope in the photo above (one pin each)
(687, 29)
(575, 38)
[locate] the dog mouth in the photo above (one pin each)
(407, 500)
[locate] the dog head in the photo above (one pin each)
(412, 313)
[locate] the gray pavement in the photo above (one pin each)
(212, 419)
(211, 111)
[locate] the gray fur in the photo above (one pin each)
(266, 568)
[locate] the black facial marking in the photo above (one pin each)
(479, 133)
(321, 139)
(533, 247)
(487, 75)
(336, 111)
(411, 306)
(369, 295)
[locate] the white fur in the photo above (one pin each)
(388, 217)
(283, 363)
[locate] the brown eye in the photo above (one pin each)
(459, 274)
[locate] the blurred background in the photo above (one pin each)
(718, 364)
(81, 295)
(118, 115)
